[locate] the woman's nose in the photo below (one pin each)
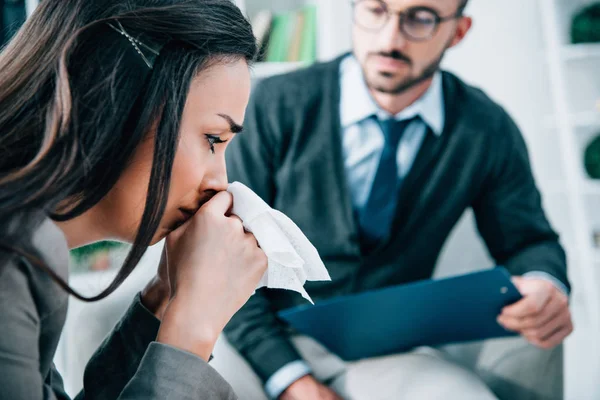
(216, 177)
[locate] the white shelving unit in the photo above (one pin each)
(333, 29)
(575, 87)
(574, 52)
(592, 188)
(586, 118)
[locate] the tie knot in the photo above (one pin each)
(393, 129)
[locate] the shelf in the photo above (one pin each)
(596, 254)
(592, 187)
(574, 52)
(265, 69)
(585, 119)
(334, 27)
(588, 187)
(559, 187)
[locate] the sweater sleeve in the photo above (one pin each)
(509, 212)
(252, 158)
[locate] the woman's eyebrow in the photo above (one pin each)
(235, 127)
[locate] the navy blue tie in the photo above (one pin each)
(378, 212)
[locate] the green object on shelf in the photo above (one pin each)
(83, 253)
(275, 39)
(279, 43)
(308, 48)
(586, 25)
(592, 158)
(293, 36)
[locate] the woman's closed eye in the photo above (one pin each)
(213, 140)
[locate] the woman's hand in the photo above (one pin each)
(214, 266)
(157, 294)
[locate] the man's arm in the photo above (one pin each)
(509, 212)
(512, 222)
(253, 158)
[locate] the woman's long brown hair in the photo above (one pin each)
(76, 99)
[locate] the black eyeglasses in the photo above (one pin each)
(416, 23)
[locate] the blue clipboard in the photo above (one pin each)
(399, 318)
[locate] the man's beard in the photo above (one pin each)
(408, 82)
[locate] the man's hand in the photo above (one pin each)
(542, 316)
(308, 388)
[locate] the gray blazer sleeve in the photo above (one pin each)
(128, 365)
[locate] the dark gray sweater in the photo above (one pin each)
(291, 155)
(128, 365)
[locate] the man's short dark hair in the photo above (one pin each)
(463, 5)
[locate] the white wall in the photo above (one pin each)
(504, 55)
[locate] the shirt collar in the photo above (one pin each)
(357, 104)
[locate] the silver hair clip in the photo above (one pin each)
(137, 44)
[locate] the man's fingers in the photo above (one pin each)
(510, 323)
(558, 310)
(529, 306)
(555, 338)
(544, 332)
(552, 310)
(542, 316)
(558, 305)
(328, 394)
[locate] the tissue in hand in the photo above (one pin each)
(293, 260)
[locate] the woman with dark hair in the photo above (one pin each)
(114, 117)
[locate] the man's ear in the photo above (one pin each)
(462, 28)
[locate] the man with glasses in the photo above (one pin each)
(376, 156)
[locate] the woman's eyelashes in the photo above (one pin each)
(213, 140)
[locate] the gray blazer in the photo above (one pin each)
(128, 365)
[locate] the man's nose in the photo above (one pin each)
(391, 37)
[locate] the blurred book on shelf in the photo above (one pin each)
(596, 238)
(287, 37)
(100, 256)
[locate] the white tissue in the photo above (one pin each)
(293, 260)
